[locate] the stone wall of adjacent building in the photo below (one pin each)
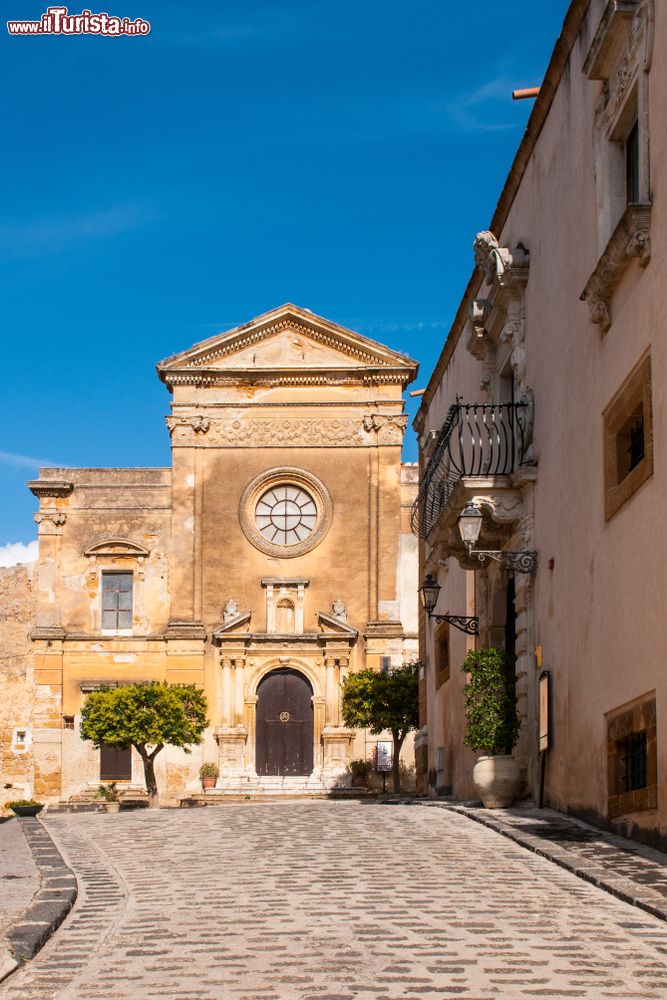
(16, 688)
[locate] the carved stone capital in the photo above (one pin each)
(197, 424)
(55, 518)
(631, 239)
(390, 428)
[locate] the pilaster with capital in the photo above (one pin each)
(50, 523)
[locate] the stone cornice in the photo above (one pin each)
(631, 239)
(185, 630)
(274, 378)
(48, 633)
(50, 487)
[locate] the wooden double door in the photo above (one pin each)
(284, 724)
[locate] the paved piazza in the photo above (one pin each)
(329, 901)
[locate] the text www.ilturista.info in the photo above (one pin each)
(57, 21)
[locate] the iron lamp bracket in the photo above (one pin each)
(465, 623)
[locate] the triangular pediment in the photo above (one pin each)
(287, 339)
(233, 625)
(336, 626)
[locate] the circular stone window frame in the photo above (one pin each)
(285, 475)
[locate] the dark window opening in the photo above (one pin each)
(442, 655)
(117, 600)
(630, 443)
(510, 638)
(636, 447)
(634, 762)
(632, 165)
(68, 722)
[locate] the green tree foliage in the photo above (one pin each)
(147, 716)
(490, 702)
(384, 701)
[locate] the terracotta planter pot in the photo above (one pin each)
(497, 780)
(208, 783)
(112, 807)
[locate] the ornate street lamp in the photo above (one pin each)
(470, 526)
(429, 593)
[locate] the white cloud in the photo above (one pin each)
(9, 458)
(18, 552)
(482, 108)
(55, 232)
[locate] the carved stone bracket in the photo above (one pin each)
(501, 266)
(479, 342)
(631, 239)
(504, 507)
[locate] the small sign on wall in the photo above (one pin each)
(545, 699)
(385, 749)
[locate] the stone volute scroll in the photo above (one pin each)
(499, 264)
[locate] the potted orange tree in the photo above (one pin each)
(492, 725)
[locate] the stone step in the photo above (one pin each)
(223, 796)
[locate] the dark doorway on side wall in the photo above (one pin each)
(115, 763)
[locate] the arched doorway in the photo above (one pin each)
(284, 724)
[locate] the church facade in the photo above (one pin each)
(272, 558)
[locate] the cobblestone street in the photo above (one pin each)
(329, 901)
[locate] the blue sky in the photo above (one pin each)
(339, 154)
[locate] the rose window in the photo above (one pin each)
(286, 515)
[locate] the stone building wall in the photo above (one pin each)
(17, 693)
(562, 314)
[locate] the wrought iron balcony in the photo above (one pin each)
(477, 439)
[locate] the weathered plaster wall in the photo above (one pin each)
(16, 682)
